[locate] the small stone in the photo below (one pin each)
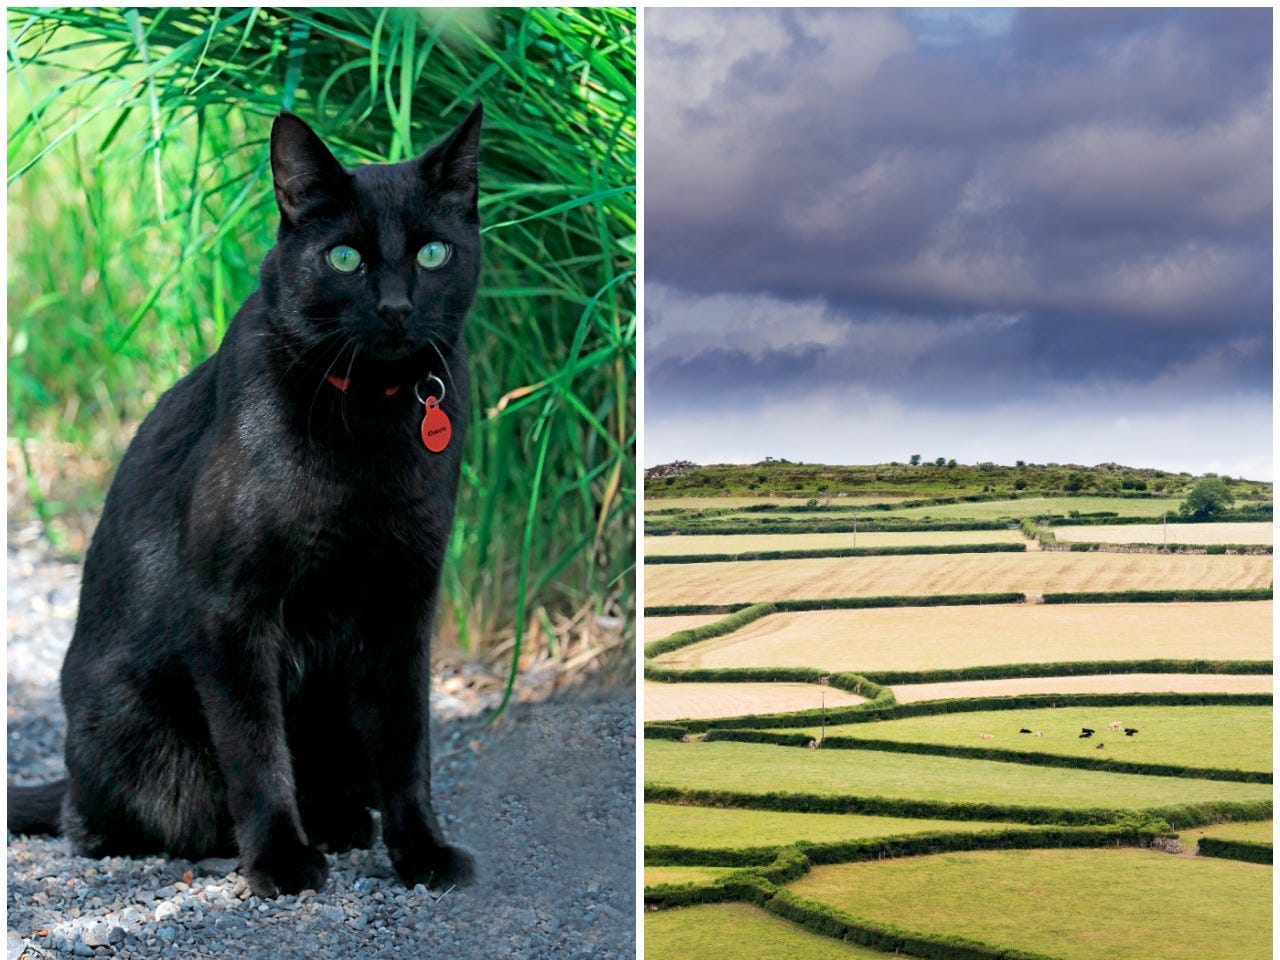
(167, 933)
(164, 893)
(218, 866)
(167, 911)
(94, 933)
(82, 949)
(115, 936)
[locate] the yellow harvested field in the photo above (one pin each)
(655, 628)
(926, 638)
(704, 701)
(745, 542)
(1033, 573)
(722, 503)
(1105, 683)
(1193, 533)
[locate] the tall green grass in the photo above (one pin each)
(140, 206)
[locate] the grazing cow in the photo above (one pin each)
(1085, 733)
(1099, 746)
(1115, 726)
(987, 736)
(1039, 733)
(1024, 730)
(1130, 731)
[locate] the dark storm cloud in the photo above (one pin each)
(1100, 179)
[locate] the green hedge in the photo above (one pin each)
(1182, 816)
(838, 552)
(832, 603)
(829, 922)
(667, 528)
(1076, 668)
(1212, 549)
(1234, 850)
(664, 731)
(1251, 514)
(1031, 758)
(744, 888)
(871, 712)
(1158, 596)
(683, 638)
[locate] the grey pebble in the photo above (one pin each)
(500, 788)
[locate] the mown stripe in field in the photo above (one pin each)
(995, 754)
(677, 558)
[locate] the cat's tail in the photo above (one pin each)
(35, 810)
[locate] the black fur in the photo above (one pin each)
(250, 665)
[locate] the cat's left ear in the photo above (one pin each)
(452, 165)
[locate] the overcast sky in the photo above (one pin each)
(1002, 235)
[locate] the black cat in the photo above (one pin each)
(250, 665)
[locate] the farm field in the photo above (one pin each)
(1064, 903)
(1095, 683)
(762, 768)
(926, 638)
(692, 543)
(1031, 573)
(655, 875)
(1257, 831)
(1197, 533)
(1193, 736)
(918, 866)
(736, 931)
(688, 701)
(1043, 506)
(701, 827)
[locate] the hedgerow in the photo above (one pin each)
(835, 603)
(1235, 850)
(683, 638)
(1159, 596)
(920, 550)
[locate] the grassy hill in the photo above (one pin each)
(782, 478)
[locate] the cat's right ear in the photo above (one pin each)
(306, 175)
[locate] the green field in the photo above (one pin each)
(1257, 831)
(692, 543)
(701, 827)
(1043, 506)
(688, 701)
(655, 628)
(736, 931)
(656, 875)
(761, 768)
(927, 638)
(652, 504)
(1236, 738)
(1075, 904)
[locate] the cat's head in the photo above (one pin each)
(374, 267)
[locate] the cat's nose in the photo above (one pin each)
(394, 312)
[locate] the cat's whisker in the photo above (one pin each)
(447, 372)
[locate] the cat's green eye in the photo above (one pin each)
(344, 259)
(434, 255)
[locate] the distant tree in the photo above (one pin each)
(915, 459)
(1021, 464)
(950, 463)
(1207, 498)
(940, 462)
(1075, 483)
(1019, 484)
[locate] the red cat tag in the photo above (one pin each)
(436, 428)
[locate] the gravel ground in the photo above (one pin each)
(544, 797)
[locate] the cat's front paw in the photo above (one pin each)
(287, 868)
(438, 866)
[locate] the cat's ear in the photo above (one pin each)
(452, 164)
(306, 175)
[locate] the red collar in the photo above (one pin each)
(344, 383)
